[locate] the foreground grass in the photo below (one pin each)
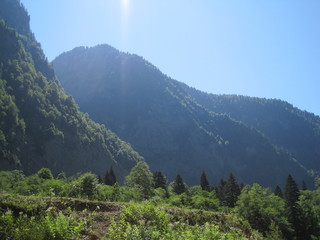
(66, 218)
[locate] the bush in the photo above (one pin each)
(45, 173)
(46, 226)
(144, 221)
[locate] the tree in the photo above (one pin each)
(204, 183)
(278, 191)
(45, 173)
(89, 185)
(261, 208)
(291, 193)
(291, 196)
(110, 177)
(219, 190)
(159, 180)
(230, 191)
(141, 179)
(178, 185)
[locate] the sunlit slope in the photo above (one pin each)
(164, 124)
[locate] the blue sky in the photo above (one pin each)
(255, 48)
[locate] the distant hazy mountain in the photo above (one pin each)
(41, 126)
(163, 120)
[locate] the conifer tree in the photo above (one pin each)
(278, 191)
(110, 177)
(291, 196)
(291, 193)
(219, 189)
(204, 183)
(159, 180)
(178, 185)
(231, 191)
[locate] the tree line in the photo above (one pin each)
(289, 214)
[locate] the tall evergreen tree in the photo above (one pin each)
(110, 177)
(291, 196)
(204, 183)
(159, 180)
(231, 191)
(178, 185)
(219, 190)
(291, 193)
(278, 191)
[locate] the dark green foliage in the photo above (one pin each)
(204, 183)
(229, 191)
(278, 191)
(309, 203)
(110, 177)
(45, 173)
(179, 186)
(291, 196)
(261, 208)
(159, 180)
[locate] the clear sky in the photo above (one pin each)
(259, 48)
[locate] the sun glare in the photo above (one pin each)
(125, 5)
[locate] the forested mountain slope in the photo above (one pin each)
(168, 128)
(41, 126)
(296, 131)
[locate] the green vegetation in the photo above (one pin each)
(39, 124)
(152, 213)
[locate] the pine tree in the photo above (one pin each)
(159, 180)
(291, 193)
(204, 183)
(278, 191)
(231, 192)
(178, 185)
(291, 196)
(110, 177)
(219, 190)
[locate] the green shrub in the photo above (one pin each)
(46, 226)
(144, 221)
(45, 173)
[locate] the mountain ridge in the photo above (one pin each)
(41, 126)
(165, 123)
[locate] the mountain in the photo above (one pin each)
(165, 124)
(41, 126)
(296, 131)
